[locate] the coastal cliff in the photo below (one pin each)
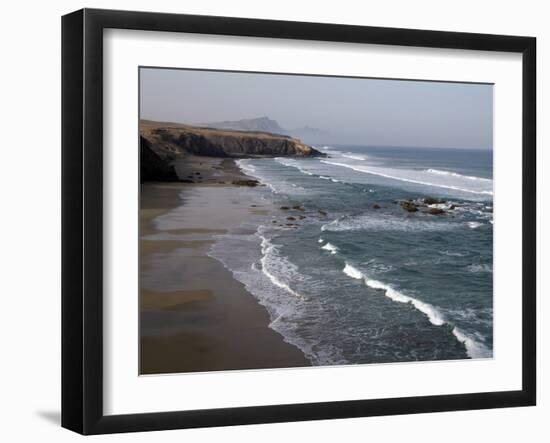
(153, 166)
(162, 143)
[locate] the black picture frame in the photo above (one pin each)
(82, 219)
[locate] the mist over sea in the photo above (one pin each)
(361, 280)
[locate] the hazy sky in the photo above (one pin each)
(353, 111)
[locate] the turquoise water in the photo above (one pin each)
(355, 284)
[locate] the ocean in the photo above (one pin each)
(354, 278)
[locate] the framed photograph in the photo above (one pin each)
(269, 221)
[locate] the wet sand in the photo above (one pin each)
(194, 316)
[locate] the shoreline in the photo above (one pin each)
(194, 315)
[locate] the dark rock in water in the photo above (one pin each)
(436, 211)
(452, 207)
(197, 173)
(323, 213)
(301, 217)
(409, 206)
(298, 208)
(433, 201)
(375, 206)
(285, 208)
(246, 182)
(186, 180)
(291, 218)
(274, 221)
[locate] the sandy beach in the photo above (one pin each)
(194, 316)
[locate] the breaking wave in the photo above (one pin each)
(392, 174)
(456, 174)
(477, 268)
(388, 223)
(330, 247)
(355, 156)
(474, 348)
(273, 263)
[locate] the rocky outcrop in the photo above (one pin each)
(173, 140)
(162, 143)
(428, 205)
(436, 211)
(409, 206)
(153, 166)
(433, 201)
(251, 183)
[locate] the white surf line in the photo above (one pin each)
(355, 157)
(474, 349)
(281, 161)
(267, 247)
(418, 182)
(456, 174)
(251, 171)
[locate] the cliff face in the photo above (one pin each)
(161, 143)
(175, 140)
(153, 166)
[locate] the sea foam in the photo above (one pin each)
(474, 348)
(352, 272)
(274, 185)
(456, 174)
(474, 224)
(294, 164)
(416, 180)
(386, 223)
(330, 247)
(355, 157)
(435, 317)
(477, 268)
(272, 263)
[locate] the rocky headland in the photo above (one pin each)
(153, 166)
(163, 143)
(429, 205)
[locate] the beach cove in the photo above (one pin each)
(194, 316)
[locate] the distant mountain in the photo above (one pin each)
(306, 134)
(261, 124)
